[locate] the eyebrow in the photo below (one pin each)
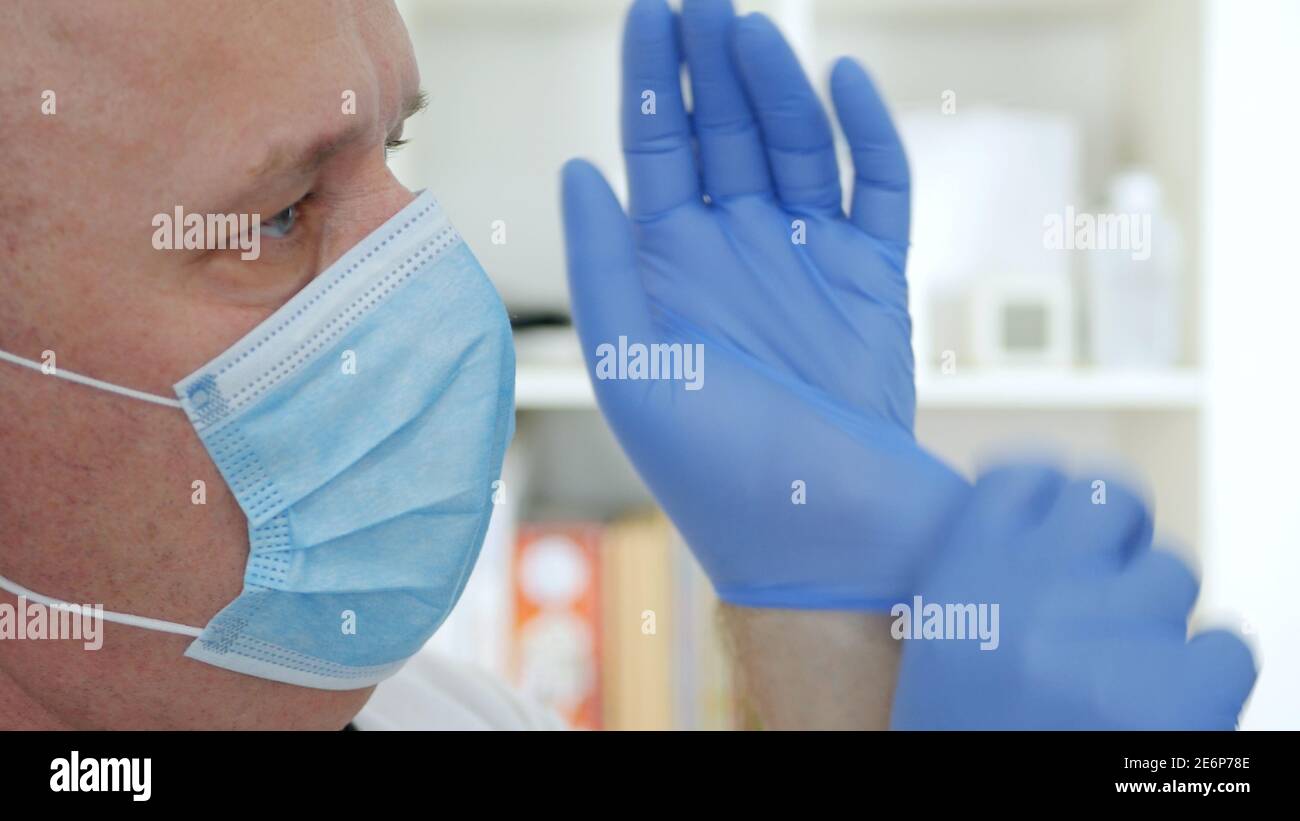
(304, 160)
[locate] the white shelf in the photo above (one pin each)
(1056, 390)
(556, 387)
(549, 387)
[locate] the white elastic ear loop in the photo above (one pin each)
(107, 615)
(94, 383)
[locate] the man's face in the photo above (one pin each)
(220, 108)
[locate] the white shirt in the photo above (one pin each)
(433, 692)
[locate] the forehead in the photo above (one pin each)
(180, 80)
(229, 48)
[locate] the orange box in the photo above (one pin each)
(556, 640)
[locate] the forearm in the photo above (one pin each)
(806, 669)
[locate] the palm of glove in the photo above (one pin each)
(813, 301)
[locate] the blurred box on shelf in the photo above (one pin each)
(984, 182)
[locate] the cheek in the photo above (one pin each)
(100, 497)
(190, 333)
(232, 285)
(111, 510)
(193, 536)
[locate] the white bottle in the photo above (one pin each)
(1134, 283)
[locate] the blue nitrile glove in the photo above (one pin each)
(1091, 622)
(791, 471)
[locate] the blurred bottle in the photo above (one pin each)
(1134, 283)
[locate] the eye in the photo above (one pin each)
(392, 146)
(282, 223)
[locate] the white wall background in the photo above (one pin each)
(1252, 419)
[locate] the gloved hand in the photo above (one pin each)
(792, 471)
(1091, 624)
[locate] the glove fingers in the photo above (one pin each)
(1156, 589)
(657, 143)
(882, 182)
(1110, 522)
(796, 131)
(731, 146)
(1220, 672)
(1010, 500)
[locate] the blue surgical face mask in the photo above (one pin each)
(361, 428)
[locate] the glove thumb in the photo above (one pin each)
(604, 283)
